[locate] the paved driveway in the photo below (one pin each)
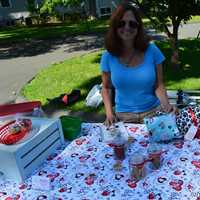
(20, 63)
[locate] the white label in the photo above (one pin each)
(191, 133)
(41, 183)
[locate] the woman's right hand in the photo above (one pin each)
(110, 120)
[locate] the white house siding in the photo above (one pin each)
(17, 9)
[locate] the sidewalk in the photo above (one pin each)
(21, 62)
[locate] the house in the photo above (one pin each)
(101, 8)
(11, 10)
(97, 8)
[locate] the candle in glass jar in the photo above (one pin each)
(136, 166)
(119, 151)
(119, 145)
(155, 155)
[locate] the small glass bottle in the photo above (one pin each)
(136, 166)
(119, 146)
(155, 155)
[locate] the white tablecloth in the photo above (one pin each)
(84, 171)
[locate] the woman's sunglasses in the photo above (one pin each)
(131, 24)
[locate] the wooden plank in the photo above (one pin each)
(40, 159)
(192, 95)
(37, 149)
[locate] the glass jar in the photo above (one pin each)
(119, 146)
(136, 166)
(119, 151)
(155, 155)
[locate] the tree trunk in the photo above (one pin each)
(92, 8)
(173, 40)
(174, 44)
(173, 37)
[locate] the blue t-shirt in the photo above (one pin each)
(134, 86)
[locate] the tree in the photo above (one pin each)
(34, 7)
(165, 12)
(92, 8)
(49, 5)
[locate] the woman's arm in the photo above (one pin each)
(106, 94)
(161, 91)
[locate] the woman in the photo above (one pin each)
(134, 67)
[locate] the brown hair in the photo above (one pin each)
(113, 43)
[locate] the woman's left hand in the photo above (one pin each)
(170, 109)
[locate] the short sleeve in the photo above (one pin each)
(157, 54)
(104, 63)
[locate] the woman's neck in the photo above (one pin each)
(128, 51)
(128, 47)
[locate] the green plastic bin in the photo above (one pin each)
(71, 127)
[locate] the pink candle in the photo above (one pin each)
(119, 151)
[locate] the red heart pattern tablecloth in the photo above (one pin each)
(83, 170)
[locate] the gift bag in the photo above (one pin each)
(188, 117)
(162, 128)
(94, 98)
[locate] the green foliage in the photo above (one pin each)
(163, 12)
(32, 7)
(72, 2)
(49, 5)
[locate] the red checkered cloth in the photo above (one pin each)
(14, 131)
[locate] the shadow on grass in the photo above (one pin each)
(41, 46)
(89, 42)
(189, 52)
(87, 85)
(97, 59)
(39, 39)
(87, 114)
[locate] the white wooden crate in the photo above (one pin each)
(18, 161)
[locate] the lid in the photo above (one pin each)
(118, 138)
(137, 159)
(154, 148)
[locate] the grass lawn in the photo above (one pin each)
(195, 19)
(83, 72)
(78, 72)
(17, 34)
